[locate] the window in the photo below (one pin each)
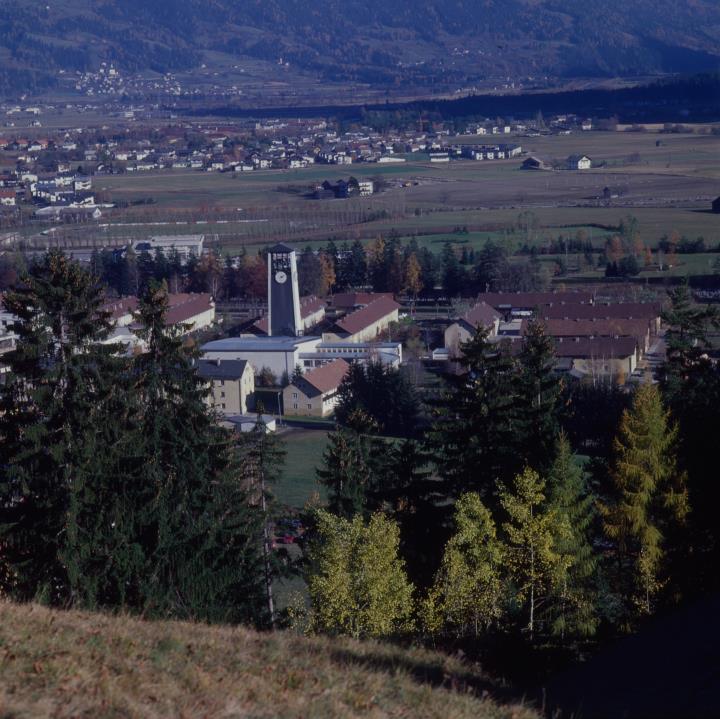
(309, 405)
(295, 406)
(294, 395)
(222, 394)
(223, 405)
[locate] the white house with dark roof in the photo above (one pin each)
(315, 394)
(579, 162)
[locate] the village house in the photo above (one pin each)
(187, 311)
(599, 358)
(232, 385)
(579, 162)
(7, 197)
(315, 393)
(367, 323)
(481, 315)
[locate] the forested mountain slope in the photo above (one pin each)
(376, 41)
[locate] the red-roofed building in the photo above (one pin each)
(349, 301)
(195, 311)
(367, 323)
(315, 394)
(312, 312)
(7, 198)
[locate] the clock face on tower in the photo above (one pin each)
(280, 277)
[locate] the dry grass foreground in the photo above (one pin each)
(79, 664)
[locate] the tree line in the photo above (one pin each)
(558, 514)
(530, 508)
(118, 487)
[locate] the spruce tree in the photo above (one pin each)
(538, 397)
(352, 465)
(572, 607)
(408, 491)
(262, 457)
(54, 413)
(690, 383)
(475, 439)
(201, 532)
(649, 502)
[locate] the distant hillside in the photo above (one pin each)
(69, 664)
(383, 42)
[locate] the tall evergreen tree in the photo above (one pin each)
(650, 500)
(475, 438)
(538, 391)
(202, 537)
(690, 383)
(572, 607)
(53, 410)
(352, 466)
(262, 457)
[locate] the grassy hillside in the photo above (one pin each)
(72, 664)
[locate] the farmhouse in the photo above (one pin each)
(7, 198)
(314, 394)
(232, 384)
(535, 163)
(579, 162)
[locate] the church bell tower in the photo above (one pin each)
(283, 293)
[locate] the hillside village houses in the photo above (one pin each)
(591, 340)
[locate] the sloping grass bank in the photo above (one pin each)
(78, 664)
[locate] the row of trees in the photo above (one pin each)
(537, 540)
(118, 488)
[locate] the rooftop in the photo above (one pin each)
(326, 378)
(221, 369)
(366, 316)
(252, 343)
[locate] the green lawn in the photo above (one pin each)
(298, 484)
